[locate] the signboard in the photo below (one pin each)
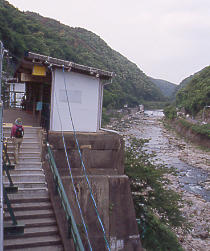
(39, 70)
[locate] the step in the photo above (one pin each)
(31, 139)
(22, 192)
(25, 154)
(32, 189)
(26, 138)
(29, 165)
(42, 194)
(30, 214)
(34, 171)
(39, 222)
(37, 231)
(13, 230)
(40, 241)
(25, 145)
(47, 248)
(26, 134)
(28, 184)
(27, 130)
(26, 159)
(24, 148)
(27, 127)
(25, 178)
(30, 206)
(30, 199)
(10, 189)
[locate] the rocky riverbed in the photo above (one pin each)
(192, 165)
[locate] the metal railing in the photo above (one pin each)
(13, 228)
(9, 207)
(7, 166)
(72, 226)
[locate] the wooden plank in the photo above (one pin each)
(29, 78)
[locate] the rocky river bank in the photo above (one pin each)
(192, 165)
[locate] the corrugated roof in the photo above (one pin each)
(68, 65)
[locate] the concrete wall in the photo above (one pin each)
(103, 155)
(85, 99)
(196, 138)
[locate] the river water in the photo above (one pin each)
(148, 126)
(191, 178)
(192, 166)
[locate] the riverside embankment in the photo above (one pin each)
(192, 166)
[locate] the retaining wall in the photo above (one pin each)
(196, 138)
(103, 155)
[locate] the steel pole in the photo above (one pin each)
(1, 146)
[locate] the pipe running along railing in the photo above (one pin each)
(72, 226)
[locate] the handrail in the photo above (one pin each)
(10, 209)
(5, 153)
(7, 163)
(73, 230)
(6, 166)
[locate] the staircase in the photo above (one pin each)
(31, 204)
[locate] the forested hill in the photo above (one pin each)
(26, 31)
(196, 92)
(183, 84)
(167, 88)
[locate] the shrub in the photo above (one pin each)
(170, 112)
(157, 208)
(196, 128)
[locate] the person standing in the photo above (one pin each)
(17, 133)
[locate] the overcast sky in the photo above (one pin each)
(167, 39)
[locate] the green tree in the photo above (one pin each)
(196, 92)
(170, 112)
(23, 31)
(157, 207)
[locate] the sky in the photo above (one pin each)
(166, 39)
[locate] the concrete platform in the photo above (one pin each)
(10, 115)
(103, 157)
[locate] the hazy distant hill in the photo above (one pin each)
(196, 92)
(22, 31)
(167, 88)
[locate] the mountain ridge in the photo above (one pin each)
(194, 93)
(166, 87)
(28, 31)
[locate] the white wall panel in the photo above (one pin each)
(83, 94)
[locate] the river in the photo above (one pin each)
(190, 162)
(191, 178)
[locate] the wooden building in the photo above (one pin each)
(58, 90)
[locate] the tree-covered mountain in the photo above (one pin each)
(196, 92)
(26, 31)
(183, 83)
(167, 88)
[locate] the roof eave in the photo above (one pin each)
(68, 65)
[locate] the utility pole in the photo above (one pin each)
(1, 147)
